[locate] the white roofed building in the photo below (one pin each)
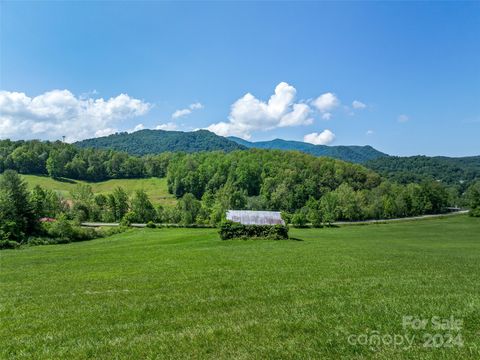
(249, 217)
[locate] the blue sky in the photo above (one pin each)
(413, 69)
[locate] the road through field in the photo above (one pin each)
(375, 221)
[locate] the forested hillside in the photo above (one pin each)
(158, 141)
(353, 153)
(145, 142)
(307, 189)
(314, 189)
(60, 160)
(452, 171)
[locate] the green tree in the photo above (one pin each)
(473, 196)
(121, 202)
(299, 219)
(38, 198)
(142, 207)
(189, 207)
(17, 217)
(328, 208)
(84, 207)
(314, 214)
(349, 206)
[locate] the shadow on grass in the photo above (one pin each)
(65, 180)
(294, 239)
(262, 239)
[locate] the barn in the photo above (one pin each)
(248, 217)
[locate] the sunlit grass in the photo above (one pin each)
(156, 188)
(184, 293)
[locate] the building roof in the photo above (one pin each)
(248, 217)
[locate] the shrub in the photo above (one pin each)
(299, 219)
(8, 244)
(232, 230)
(63, 231)
(475, 212)
(151, 225)
(129, 218)
(109, 231)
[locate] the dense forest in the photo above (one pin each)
(300, 185)
(356, 154)
(307, 189)
(460, 172)
(145, 142)
(60, 160)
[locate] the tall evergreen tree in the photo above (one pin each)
(17, 217)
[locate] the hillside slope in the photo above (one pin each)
(448, 170)
(353, 153)
(155, 188)
(145, 142)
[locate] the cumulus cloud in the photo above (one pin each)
(105, 132)
(196, 106)
(402, 118)
(358, 105)
(326, 102)
(58, 113)
(137, 127)
(369, 132)
(249, 114)
(323, 138)
(168, 126)
(187, 111)
(327, 116)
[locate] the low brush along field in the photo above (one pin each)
(184, 293)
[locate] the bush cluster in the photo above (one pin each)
(63, 231)
(232, 230)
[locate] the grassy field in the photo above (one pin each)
(156, 188)
(184, 293)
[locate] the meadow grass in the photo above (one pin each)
(184, 293)
(156, 188)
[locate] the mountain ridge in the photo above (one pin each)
(352, 153)
(145, 142)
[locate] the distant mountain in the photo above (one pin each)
(145, 142)
(353, 153)
(461, 171)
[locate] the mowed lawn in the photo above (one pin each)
(155, 188)
(184, 293)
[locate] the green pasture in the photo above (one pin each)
(186, 294)
(155, 188)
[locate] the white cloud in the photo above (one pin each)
(369, 132)
(180, 113)
(168, 126)
(105, 132)
(327, 116)
(196, 106)
(323, 138)
(250, 114)
(358, 105)
(187, 111)
(137, 127)
(58, 113)
(403, 118)
(326, 102)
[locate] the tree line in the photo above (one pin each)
(57, 159)
(306, 189)
(456, 172)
